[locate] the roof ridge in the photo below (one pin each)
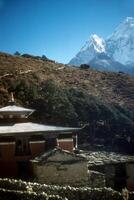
(51, 152)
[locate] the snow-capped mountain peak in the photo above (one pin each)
(120, 45)
(129, 20)
(97, 42)
(125, 29)
(93, 46)
(116, 53)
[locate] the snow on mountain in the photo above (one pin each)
(93, 46)
(120, 45)
(114, 54)
(103, 62)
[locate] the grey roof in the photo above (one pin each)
(29, 127)
(14, 108)
(45, 155)
(106, 158)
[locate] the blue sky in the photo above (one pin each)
(57, 28)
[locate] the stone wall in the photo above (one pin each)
(62, 174)
(19, 190)
(26, 195)
(118, 168)
(61, 168)
(117, 175)
(96, 179)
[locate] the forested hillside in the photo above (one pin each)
(70, 96)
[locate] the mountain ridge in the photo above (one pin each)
(119, 47)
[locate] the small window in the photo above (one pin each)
(22, 147)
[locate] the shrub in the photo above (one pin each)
(84, 66)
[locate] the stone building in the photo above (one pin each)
(61, 167)
(118, 169)
(21, 140)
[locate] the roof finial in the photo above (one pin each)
(12, 101)
(12, 97)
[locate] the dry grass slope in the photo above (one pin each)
(110, 87)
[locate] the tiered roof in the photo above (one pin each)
(13, 128)
(29, 127)
(13, 109)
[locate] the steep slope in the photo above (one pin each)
(120, 45)
(95, 45)
(103, 62)
(110, 87)
(70, 96)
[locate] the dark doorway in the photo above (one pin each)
(120, 177)
(23, 169)
(22, 146)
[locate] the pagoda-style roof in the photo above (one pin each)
(30, 128)
(15, 110)
(10, 127)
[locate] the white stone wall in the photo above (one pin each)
(62, 174)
